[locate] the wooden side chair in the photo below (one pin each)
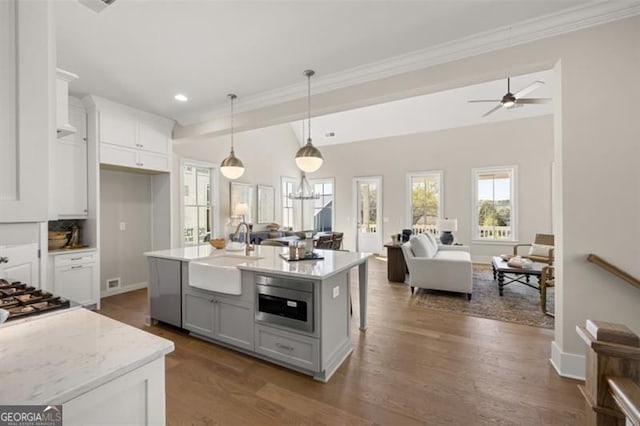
(324, 242)
(337, 240)
(541, 250)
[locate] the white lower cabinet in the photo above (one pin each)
(133, 158)
(135, 398)
(75, 277)
(20, 263)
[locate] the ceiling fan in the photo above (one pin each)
(511, 100)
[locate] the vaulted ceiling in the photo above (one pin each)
(141, 53)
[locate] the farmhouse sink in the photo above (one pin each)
(218, 273)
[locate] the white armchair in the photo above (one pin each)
(438, 267)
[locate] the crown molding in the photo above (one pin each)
(568, 20)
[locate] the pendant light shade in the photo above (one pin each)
(308, 158)
(231, 167)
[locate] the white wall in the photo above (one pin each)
(526, 143)
(124, 197)
(267, 154)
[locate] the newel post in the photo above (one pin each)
(613, 351)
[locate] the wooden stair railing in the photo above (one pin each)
(614, 270)
(611, 389)
(626, 394)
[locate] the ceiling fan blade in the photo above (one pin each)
(485, 100)
(533, 101)
(492, 110)
(530, 88)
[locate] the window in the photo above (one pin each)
(198, 207)
(494, 209)
(425, 201)
(288, 187)
(323, 207)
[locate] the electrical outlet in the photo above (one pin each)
(336, 292)
(123, 226)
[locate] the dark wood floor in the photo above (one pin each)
(413, 366)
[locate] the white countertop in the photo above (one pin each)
(334, 261)
(57, 358)
(70, 251)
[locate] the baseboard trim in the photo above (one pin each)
(567, 365)
(124, 289)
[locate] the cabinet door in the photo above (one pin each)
(76, 282)
(116, 155)
(22, 264)
(152, 139)
(26, 88)
(70, 169)
(118, 129)
(198, 314)
(150, 161)
(234, 322)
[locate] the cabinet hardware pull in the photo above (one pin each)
(281, 346)
(76, 258)
(4, 260)
(76, 267)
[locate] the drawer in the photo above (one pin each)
(291, 348)
(62, 260)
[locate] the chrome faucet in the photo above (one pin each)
(247, 237)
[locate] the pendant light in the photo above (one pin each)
(231, 167)
(304, 191)
(308, 158)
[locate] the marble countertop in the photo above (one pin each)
(59, 357)
(270, 261)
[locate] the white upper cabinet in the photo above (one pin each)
(150, 138)
(69, 177)
(128, 137)
(118, 129)
(27, 116)
(63, 124)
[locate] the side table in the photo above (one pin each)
(396, 266)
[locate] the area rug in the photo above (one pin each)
(520, 304)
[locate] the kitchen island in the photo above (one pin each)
(100, 370)
(292, 313)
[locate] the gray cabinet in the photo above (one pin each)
(199, 314)
(226, 319)
(291, 348)
(165, 290)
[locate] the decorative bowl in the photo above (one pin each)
(218, 243)
(57, 243)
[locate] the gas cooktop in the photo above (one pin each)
(21, 300)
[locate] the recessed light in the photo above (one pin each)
(180, 97)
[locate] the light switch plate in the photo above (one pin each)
(123, 226)
(336, 291)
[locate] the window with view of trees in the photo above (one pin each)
(197, 218)
(425, 201)
(494, 204)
